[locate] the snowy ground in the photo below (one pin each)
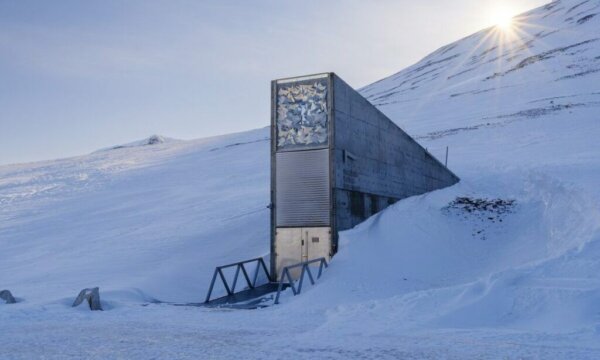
(427, 278)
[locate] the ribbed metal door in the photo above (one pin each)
(302, 188)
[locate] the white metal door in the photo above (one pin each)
(305, 243)
(295, 245)
(317, 243)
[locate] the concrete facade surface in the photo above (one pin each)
(371, 163)
(375, 163)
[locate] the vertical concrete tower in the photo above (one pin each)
(335, 161)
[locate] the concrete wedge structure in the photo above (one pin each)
(336, 160)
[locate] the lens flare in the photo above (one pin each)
(502, 18)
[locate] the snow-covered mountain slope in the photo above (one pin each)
(541, 79)
(134, 217)
(547, 65)
(503, 265)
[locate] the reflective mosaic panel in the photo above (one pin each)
(302, 114)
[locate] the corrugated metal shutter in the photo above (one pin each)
(302, 188)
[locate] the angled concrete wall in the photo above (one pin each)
(365, 163)
(375, 163)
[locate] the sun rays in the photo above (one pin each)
(483, 60)
(510, 40)
(502, 18)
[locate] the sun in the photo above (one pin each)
(502, 18)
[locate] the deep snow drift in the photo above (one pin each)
(503, 265)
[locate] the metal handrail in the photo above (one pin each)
(239, 266)
(305, 270)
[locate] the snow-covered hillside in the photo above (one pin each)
(153, 217)
(503, 265)
(547, 65)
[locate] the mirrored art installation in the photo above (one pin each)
(302, 114)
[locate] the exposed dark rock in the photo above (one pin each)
(7, 297)
(239, 143)
(585, 19)
(91, 296)
(552, 5)
(540, 57)
(579, 74)
(578, 5)
(461, 73)
(483, 214)
(473, 92)
(155, 139)
(553, 12)
(541, 111)
(498, 206)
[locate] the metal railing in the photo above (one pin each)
(239, 267)
(285, 273)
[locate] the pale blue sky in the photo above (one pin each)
(81, 75)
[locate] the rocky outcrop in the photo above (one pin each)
(91, 296)
(7, 297)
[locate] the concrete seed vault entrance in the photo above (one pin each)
(335, 160)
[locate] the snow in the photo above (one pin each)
(135, 211)
(152, 140)
(422, 279)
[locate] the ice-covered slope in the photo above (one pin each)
(527, 98)
(156, 217)
(547, 65)
(503, 265)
